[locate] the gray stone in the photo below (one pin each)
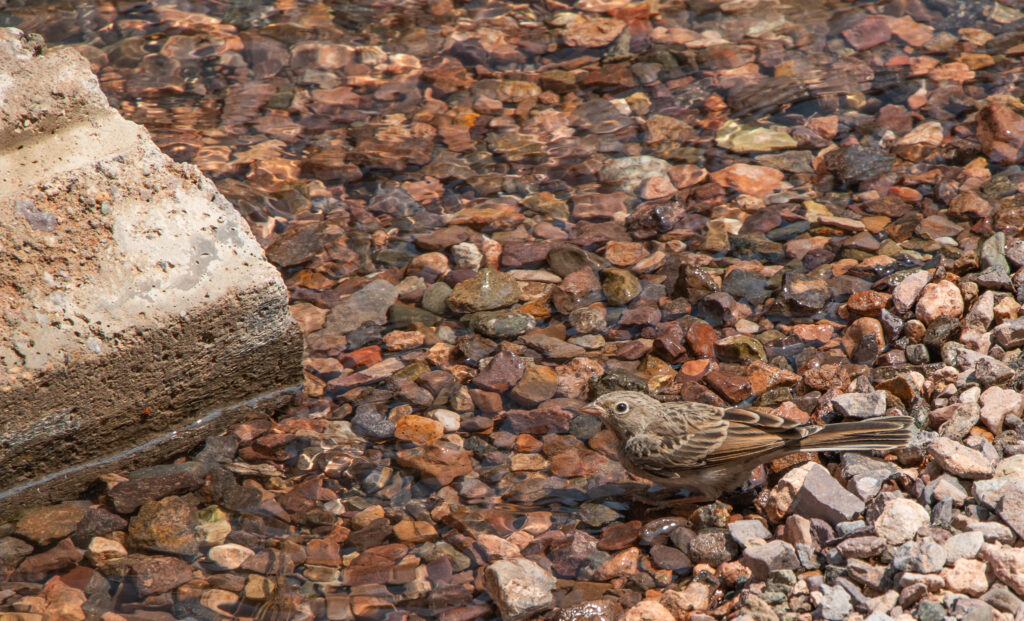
(821, 496)
(860, 405)
(962, 545)
(369, 423)
(1011, 506)
(519, 586)
(922, 557)
(126, 303)
(1010, 334)
(1002, 598)
(865, 474)
(367, 306)
(835, 603)
(992, 253)
(764, 558)
(435, 298)
(500, 324)
(745, 530)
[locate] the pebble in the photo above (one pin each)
(900, 520)
(519, 586)
(960, 460)
(229, 556)
(762, 559)
(167, 525)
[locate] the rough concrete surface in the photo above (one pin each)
(137, 312)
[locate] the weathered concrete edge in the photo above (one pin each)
(60, 485)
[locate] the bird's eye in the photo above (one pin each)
(621, 407)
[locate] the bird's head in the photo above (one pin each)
(624, 412)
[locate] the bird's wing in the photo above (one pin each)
(691, 436)
(683, 438)
(753, 435)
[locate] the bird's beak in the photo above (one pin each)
(592, 409)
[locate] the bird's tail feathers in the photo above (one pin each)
(863, 435)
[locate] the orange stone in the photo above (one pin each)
(418, 429)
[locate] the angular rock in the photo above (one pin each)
(153, 575)
(900, 520)
(958, 460)
(765, 558)
(167, 525)
(519, 586)
(860, 405)
(821, 496)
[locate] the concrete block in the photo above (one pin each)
(137, 312)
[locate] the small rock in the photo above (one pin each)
(905, 294)
(966, 576)
(960, 461)
(367, 306)
(745, 530)
(166, 525)
(900, 520)
(47, 524)
(835, 603)
(764, 558)
(821, 496)
(368, 422)
(939, 299)
(229, 556)
(963, 545)
(418, 429)
(713, 547)
(438, 460)
(519, 586)
(648, 610)
(860, 405)
(922, 557)
(37, 567)
(487, 290)
(1007, 564)
(153, 575)
(996, 404)
(620, 286)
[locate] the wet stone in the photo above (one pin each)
(713, 547)
(167, 525)
(485, 291)
(500, 324)
(853, 164)
(746, 286)
(155, 483)
(47, 524)
(367, 306)
(501, 373)
(804, 294)
(153, 575)
(370, 423)
(519, 586)
(619, 286)
(740, 349)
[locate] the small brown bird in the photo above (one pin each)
(711, 450)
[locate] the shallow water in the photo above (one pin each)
(340, 129)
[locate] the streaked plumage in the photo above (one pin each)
(712, 450)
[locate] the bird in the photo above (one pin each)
(712, 450)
